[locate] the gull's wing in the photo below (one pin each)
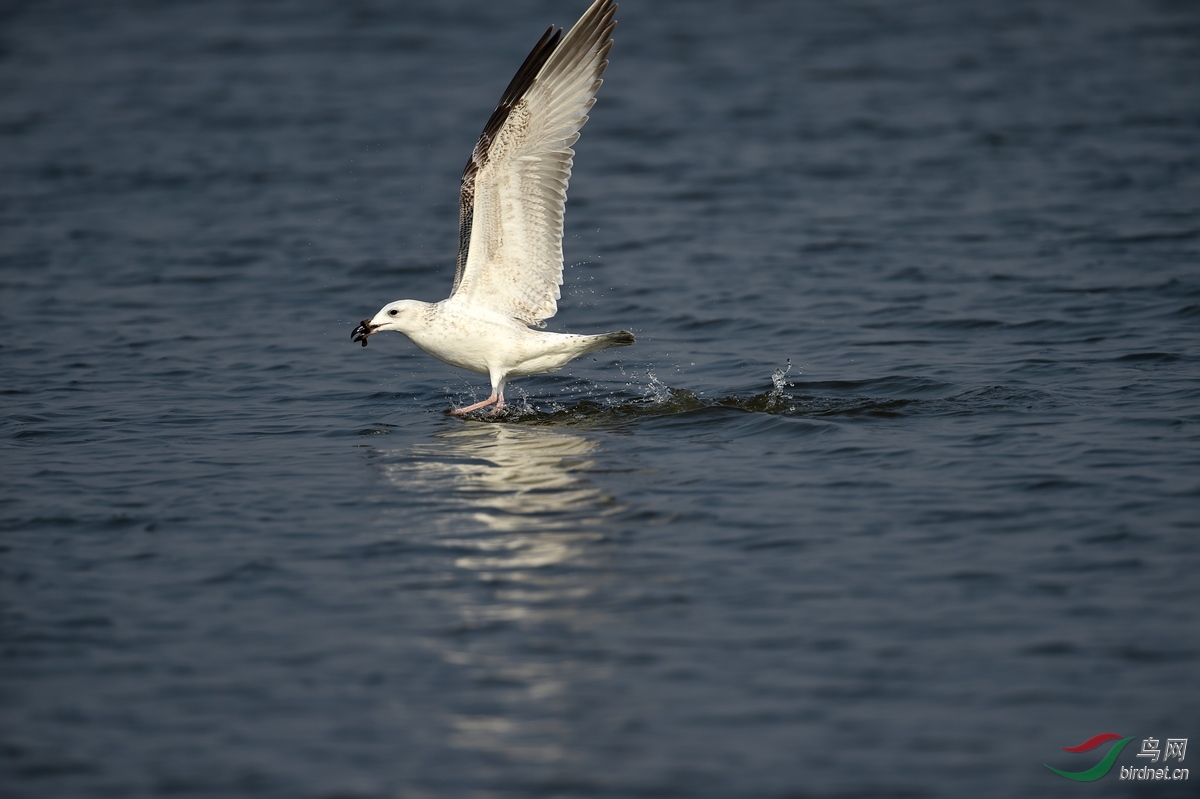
(514, 187)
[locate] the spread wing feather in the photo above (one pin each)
(514, 187)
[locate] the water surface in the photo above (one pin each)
(896, 495)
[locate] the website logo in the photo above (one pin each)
(1175, 748)
(1100, 769)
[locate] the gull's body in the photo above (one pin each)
(514, 190)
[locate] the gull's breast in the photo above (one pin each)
(475, 341)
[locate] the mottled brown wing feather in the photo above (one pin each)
(512, 95)
(518, 176)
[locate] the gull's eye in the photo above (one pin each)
(393, 312)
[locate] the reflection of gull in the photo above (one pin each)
(514, 507)
(523, 483)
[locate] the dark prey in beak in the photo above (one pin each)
(361, 332)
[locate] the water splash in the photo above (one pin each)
(778, 377)
(656, 390)
(652, 397)
(876, 398)
(778, 399)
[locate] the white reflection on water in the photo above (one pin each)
(516, 508)
(516, 496)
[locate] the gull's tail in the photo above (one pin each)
(604, 341)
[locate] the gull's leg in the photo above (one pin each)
(498, 392)
(497, 398)
(476, 406)
(499, 403)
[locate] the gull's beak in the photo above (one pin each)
(364, 329)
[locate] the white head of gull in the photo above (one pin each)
(514, 189)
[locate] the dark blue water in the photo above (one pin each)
(244, 557)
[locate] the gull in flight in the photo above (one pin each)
(514, 189)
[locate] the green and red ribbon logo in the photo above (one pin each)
(1100, 769)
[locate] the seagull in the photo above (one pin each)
(514, 189)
